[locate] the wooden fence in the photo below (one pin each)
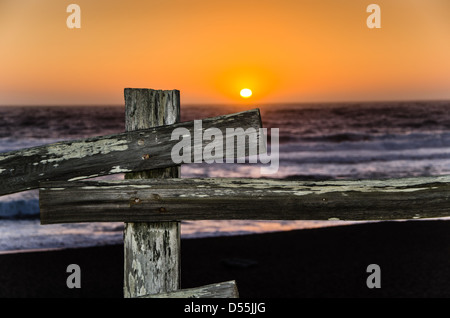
(152, 207)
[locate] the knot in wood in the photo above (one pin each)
(146, 156)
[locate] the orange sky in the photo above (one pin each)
(284, 50)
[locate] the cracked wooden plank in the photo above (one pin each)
(248, 199)
(97, 156)
(220, 290)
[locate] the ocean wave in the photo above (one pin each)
(364, 156)
(19, 209)
(353, 141)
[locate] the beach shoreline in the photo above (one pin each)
(311, 263)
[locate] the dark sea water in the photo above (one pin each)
(317, 141)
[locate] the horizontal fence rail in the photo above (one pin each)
(258, 199)
(98, 156)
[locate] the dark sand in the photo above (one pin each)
(414, 258)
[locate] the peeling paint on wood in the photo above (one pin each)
(80, 149)
(199, 199)
(83, 177)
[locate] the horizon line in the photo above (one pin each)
(324, 102)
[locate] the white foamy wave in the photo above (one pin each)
(364, 156)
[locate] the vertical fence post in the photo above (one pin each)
(151, 250)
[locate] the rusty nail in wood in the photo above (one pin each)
(146, 156)
(162, 209)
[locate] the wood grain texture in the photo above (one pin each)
(220, 290)
(250, 199)
(151, 250)
(134, 151)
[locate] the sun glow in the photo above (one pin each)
(246, 93)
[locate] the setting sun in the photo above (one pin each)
(246, 93)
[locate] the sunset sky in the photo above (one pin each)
(284, 50)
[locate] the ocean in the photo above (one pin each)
(318, 141)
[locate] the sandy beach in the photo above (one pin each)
(316, 263)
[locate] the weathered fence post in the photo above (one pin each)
(151, 250)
